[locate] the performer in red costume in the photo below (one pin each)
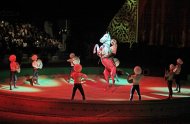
(112, 55)
(104, 52)
(73, 59)
(78, 77)
(14, 69)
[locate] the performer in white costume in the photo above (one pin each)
(36, 64)
(136, 77)
(73, 59)
(177, 76)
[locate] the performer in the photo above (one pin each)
(112, 54)
(14, 69)
(177, 75)
(169, 76)
(103, 52)
(78, 77)
(113, 48)
(73, 59)
(136, 77)
(36, 64)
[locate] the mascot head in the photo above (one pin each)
(172, 66)
(72, 55)
(78, 67)
(179, 61)
(12, 58)
(34, 57)
(106, 39)
(137, 70)
(113, 41)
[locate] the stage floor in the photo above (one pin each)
(95, 88)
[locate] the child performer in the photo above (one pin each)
(78, 76)
(36, 65)
(14, 69)
(177, 75)
(169, 76)
(136, 77)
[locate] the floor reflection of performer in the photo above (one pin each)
(136, 77)
(78, 77)
(73, 59)
(36, 64)
(14, 69)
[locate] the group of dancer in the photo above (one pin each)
(15, 69)
(106, 52)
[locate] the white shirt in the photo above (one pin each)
(136, 78)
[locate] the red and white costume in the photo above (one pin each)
(104, 53)
(14, 68)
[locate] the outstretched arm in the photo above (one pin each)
(96, 48)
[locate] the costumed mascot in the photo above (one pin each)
(78, 77)
(36, 64)
(73, 59)
(104, 52)
(14, 69)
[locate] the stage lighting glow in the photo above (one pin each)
(159, 89)
(174, 95)
(90, 79)
(71, 82)
(63, 80)
(117, 99)
(121, 81)
(20, 89)
(163, 91)
(102, 80)
(149, 97)
(47, 82)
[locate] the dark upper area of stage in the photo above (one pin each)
(62, 8)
